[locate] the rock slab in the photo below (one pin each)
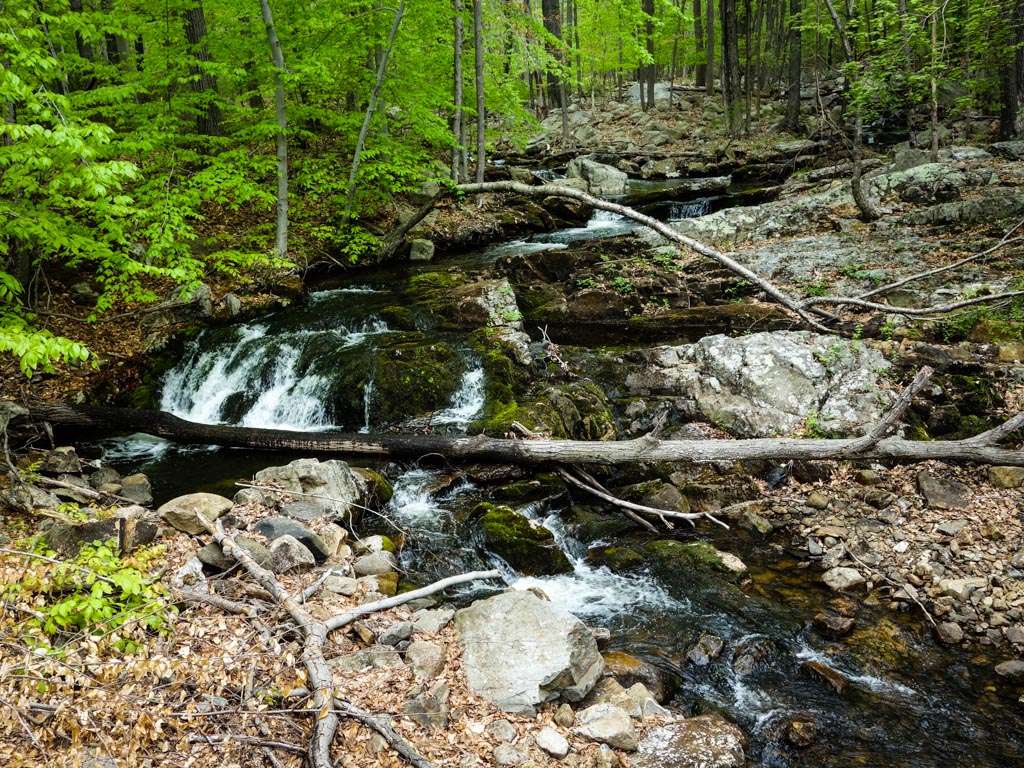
(519, 651)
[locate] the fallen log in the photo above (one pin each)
(96, 421)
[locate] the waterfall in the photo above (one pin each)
(693, 209)
(255, 378)
(467, 402)
(367, 403)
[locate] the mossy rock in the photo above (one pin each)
(530, 550)
(378, 488)
(399, 318)
(696, 556)
(431, 292)
(591, 524)
(413, 378)
(618, 558)
(575, 411)
(505, 380)
(529, 489)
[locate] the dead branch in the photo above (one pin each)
(935, 309)
(342, 619)
(890, 417)
(1004, 241)
(101, 420)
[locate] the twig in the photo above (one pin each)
(206, 598)
(998, 434)
(382, 726)
(935, 309)
(223, 738)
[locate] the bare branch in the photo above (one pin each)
(878, 431)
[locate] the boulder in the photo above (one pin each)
(275, 527)
(430, 621)
(961, 589)
(602, 180)
(1006, 477)
(771, 383)
(425, 658)
(552, 742)
(137, 488)
(289, 554)
(213, 556)
(520, 651)
(421, 249)
(375, 564)
(707, 741)
(529, 548)
(607, 724)
(629, 670)
(941, 493)
(186, 513)
(332, 485)
(62, 460)
(1010, 150)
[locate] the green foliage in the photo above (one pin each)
(97, 593)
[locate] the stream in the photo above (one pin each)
(309, 367)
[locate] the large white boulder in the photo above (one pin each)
(771, 383)
(520, 651)
(602, 180)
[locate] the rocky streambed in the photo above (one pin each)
(823, 627)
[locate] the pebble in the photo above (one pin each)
(950, 632)
(841, 578)
(552, 742)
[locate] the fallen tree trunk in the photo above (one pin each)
(982, 449)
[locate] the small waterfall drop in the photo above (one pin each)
(467, 402)
(367, 404)
(692, 209)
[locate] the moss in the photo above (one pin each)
(694, 555)
(431, 291)
(413, 378)
(528, 549)
(618, 558)
(378, 488)
(505, 381)
(387, 583)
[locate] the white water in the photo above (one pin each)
(593, 592)
(198, 388)
(367, 404)
(691, 210)
(872, 683)
(467, 402)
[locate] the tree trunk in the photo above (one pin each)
(730, 61)
(382, 67)
(111, 421)
(203, 83)
(481, 116)
(552, 13)
(1009, 123)
(700, 79)
(867, 208)
(709, 46)
(792, 120)
(457, 150)
(277, 57)
(934, 82)
(650, 70)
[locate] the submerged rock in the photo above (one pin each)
(708, 741)
(520, 651)
(530, 549)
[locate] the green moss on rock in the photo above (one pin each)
(530, 550)
(378, 487)
(413, 378)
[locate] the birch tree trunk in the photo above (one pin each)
(277, 56)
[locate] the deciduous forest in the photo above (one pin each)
(464, 383)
